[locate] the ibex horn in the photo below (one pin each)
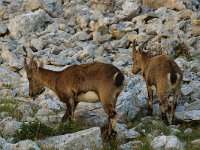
(142, 46)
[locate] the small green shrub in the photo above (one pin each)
(9, 105)
(38, 130)
(112, 144)
(64, 128)
(145, 145)
(33, 131)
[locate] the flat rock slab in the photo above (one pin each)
(86, 139)
(192, 115)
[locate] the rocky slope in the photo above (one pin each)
(63, 32)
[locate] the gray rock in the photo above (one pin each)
(26, 23)
(124, 133)
(3, 28)
(83, 21)
(9, 126)
(130, 9)
(14, 63)
(130, 145)
(24, 110)
(44, 112)
(86, 139)
(188, 115)
(8, 79)
(195, 142)
(167, 142)
(188, 131)
(125, 107)
(80, 36)
(173, 4)
(96, 117)
(97, 37)
(22, 145)
(3, 143)
(193, 106)
(119, 30)
(50, 104)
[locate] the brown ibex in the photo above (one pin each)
(161, 75)
(87, 82)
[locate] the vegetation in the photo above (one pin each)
(33, 131)
(38, 130)
(9, 105)
(190, 136)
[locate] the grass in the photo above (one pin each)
(37, 130)
(9, 105)
(113, 144)
(189, 137)
(32, 131)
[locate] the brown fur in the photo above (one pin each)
(163, 74)
(104, 79)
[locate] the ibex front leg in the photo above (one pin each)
(70, 109)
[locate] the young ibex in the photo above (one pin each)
(162, 75)
(87, 82)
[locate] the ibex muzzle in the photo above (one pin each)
(162, 75)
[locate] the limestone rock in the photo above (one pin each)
(3, 28)
(172, 4)
(167, 142)
(26, 23)
(86, 139)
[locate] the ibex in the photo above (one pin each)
(162, 75)
(86, 82)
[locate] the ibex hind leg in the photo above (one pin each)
(174, 103)
(149, 105)
(165, 108)
(112, 118)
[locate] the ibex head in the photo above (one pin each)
(35, 86)
(137, 57)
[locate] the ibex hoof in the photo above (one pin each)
(66, 119)
(149, 112)
(113, 134)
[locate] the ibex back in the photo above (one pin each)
(162, 75)
(87, 82)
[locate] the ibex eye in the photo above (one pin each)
(29, 78)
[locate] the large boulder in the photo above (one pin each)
(3, 28)
(167, 143)
(87, 139)
(172, 4)
(26, 23)
(8, 79)
(22, 145)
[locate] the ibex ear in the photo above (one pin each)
(133, 47)
(25, 64)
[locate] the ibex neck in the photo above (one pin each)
(145, 61)
(48, 78)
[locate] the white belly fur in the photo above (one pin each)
(89, 96)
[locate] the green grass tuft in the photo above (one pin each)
(38, 130)
(33, 131)
(9, 105)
